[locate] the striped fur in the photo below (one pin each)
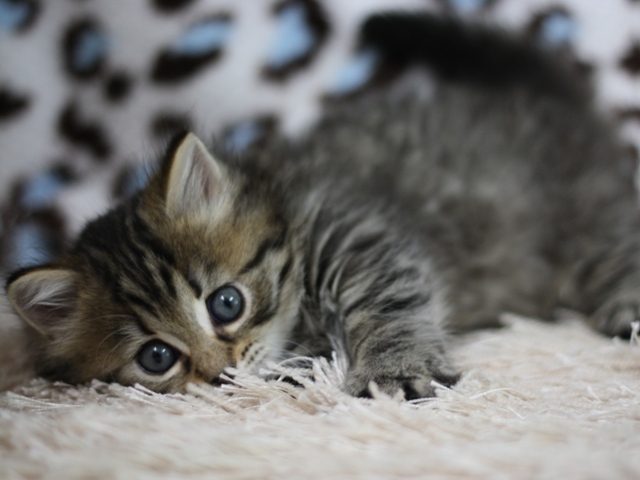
(392, 224)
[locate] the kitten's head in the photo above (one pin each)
(195, 273)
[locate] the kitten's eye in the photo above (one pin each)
(157, 357)
(225, 304)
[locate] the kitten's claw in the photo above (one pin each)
(615, 318)
(419, 385)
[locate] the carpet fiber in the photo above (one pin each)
(536, 401)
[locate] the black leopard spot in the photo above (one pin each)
(85, 134)
(170, 6)
(169, 68)
(18, 15)
(631, 59)
(199, 46)
(64, 171)
(117, 87)
(12, 104)
(166, 124)
(85, 48)
(631, 113)
(584, 68)
(302, 31)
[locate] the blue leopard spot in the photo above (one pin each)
(30, 246)
(91, 48)
(17, 14)
(558, 28)
(356, 73)
(241, 136)
(198, 47)
(13, 15)
(467, 6)
(135, 180)
(295, 38)
(40, 190)
(203, 38)
(86, 47)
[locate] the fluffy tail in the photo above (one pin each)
(469, 53)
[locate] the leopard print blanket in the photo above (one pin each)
(90, 88)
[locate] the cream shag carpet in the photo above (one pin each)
(536, 401)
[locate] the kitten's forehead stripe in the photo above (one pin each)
(129, 259)
(168, 281)
(142, 303)
(150, 240)
(195, 286)
(140, 324)
(145, 266)
(133, 254)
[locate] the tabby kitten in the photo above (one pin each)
(392, 223)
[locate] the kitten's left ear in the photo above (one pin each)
(196, 181)
(44, 297)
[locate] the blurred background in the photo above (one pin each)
(91, 89)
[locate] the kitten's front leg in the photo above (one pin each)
(403, 353)
(390, 308)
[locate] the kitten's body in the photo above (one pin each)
(393, 222)
(510, 193)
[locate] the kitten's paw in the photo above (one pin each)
(615, 318)
(413, 385)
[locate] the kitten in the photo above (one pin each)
(392, 223)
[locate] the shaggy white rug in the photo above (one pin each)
(536, 401)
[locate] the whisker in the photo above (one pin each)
(289, 345)
(124, 328)
(103, 367)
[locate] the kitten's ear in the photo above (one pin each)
(195, 182)
(45, 298)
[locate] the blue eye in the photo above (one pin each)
(157, 357)
(225, 305)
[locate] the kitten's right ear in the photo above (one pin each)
(195, 181)
(45, 297)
